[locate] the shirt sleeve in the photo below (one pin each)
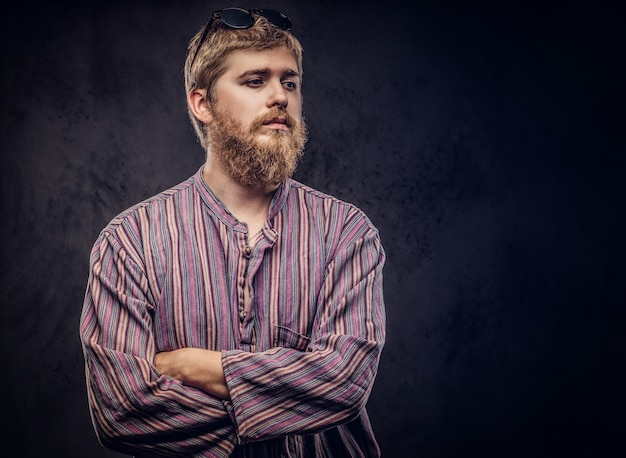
(135, 409)
(285, 391)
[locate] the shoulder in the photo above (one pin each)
(339, 215)
(316, 197)
(133, 218)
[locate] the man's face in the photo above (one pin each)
(257, 129)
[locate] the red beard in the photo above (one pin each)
(252, 162)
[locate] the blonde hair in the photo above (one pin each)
(220, 42)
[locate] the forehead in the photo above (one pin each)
(274, 59)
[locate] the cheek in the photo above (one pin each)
(243, 113)
(295, 108)
(247, 111)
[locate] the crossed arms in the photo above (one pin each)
(193, 401)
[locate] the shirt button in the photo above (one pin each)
(247, 251)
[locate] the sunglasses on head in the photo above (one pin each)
(239, 18)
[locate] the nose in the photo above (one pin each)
(277, 95)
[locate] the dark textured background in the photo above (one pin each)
(485, 142)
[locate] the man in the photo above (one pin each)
(239, 313)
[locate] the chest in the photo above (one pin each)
(224, 292)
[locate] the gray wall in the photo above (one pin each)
(485, 142)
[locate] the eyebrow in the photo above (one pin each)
(265, 72)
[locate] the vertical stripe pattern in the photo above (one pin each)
(300, 360)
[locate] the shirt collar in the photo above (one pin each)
(218, 208)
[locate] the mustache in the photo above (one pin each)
(274, 113)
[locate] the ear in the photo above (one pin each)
(199, 105)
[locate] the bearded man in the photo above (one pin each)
(241, 312)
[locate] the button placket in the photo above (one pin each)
(247, 253)
(244, 266)
(246, 327)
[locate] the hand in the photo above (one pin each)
(195, 367)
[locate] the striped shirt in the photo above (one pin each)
(300, 355)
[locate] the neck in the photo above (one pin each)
(248, 203)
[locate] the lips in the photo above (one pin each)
(277, 124)
(282, 121)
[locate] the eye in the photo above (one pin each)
(290, 85)
(254, 82)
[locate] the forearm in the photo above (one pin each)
(303, 392)
(313, 390)
(136, 410)
(195, 367)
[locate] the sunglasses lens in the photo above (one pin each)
(236, 18)
(276, 18)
